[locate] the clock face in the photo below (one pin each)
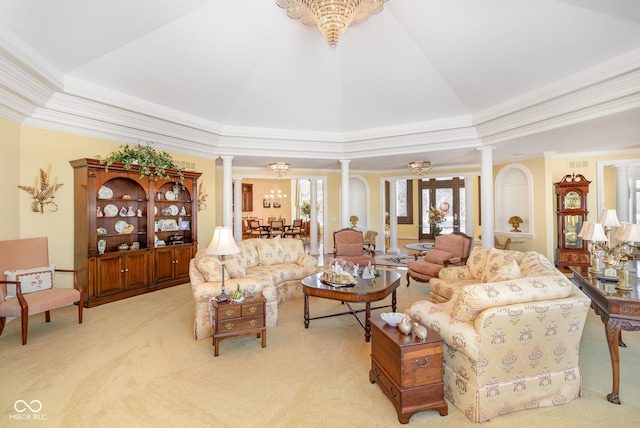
(572, 200)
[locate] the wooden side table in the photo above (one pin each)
(408, 370)
(236, 319)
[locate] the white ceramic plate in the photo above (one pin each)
(110, 210)
(392, 318)
(155, 210)
(105, 193)
(120, 225)
(170, 196)
(174, 210)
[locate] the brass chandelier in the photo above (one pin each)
(332, 17)
(420, 167)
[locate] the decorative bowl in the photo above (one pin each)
(392, 318)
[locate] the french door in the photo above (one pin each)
(446, 194)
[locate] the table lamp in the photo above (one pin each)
(609, 219)
(593, 233)
(627, 234)
(222, 244)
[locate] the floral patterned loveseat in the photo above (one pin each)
(274, 267)
(511, 337)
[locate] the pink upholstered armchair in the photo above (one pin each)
(348, 244)
(449, 250)
(32, 291)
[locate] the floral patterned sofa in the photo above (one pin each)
(274, 267)
(511, 331)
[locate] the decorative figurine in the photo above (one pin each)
(248, 292)
(130, 212)
(237, 295)
(99, 212)
(405, 325)
(139, 213)
(102, 245)
(355, 270)
(183, 211)
(123, 212)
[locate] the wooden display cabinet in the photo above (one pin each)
(122, 208)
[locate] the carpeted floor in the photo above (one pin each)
(134, 363)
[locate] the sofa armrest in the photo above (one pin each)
(455, 273)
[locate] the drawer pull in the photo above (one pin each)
(228, 312)
(392, 391)
(426, 361)
(253, 323)
(376, 372)
(253, 309)
(228, 326)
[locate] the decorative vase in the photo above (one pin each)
(420, 331)
(405, 325)
(102, 245)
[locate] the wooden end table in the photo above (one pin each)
(408, 370)
(239, 318)
(618, 309)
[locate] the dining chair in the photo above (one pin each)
(277, 228)
(295, 230)
(256, 230)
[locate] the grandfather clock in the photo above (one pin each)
(572, 212)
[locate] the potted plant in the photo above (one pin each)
(152, 162)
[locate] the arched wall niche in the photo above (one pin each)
(359, 200)
(514, 197)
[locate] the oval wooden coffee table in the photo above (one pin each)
(365, 291)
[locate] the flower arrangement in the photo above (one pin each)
(354, 220)
(436, 216)
(305, 209)
(151, 161)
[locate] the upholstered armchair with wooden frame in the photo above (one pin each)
(348, 244)
(449, 250)
(370, 239)
(33, 291)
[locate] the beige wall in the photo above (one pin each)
(9, 192)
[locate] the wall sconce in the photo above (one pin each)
(44, 193)
(202, 198)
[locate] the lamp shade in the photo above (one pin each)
(609, 218)
(222, 243)
(629, 232)
(585, 230)
(596, 233)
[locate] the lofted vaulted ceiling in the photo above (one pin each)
(422, 80)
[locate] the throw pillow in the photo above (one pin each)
(270, 251)
(34, 279)
(495, 261)
(437, 256)
(477, 260)
(507, 272)
(306, 260)
(293, 249)
(235, 267)
(209, 266)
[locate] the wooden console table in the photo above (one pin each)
(618, 309)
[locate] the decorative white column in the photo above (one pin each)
(469, 217)
(313, 218)
(227, 169)
(393, 218)
(344, 195)
(486, 186)
(623, 192)
(237, 211)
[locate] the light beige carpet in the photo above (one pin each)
(134, 363)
